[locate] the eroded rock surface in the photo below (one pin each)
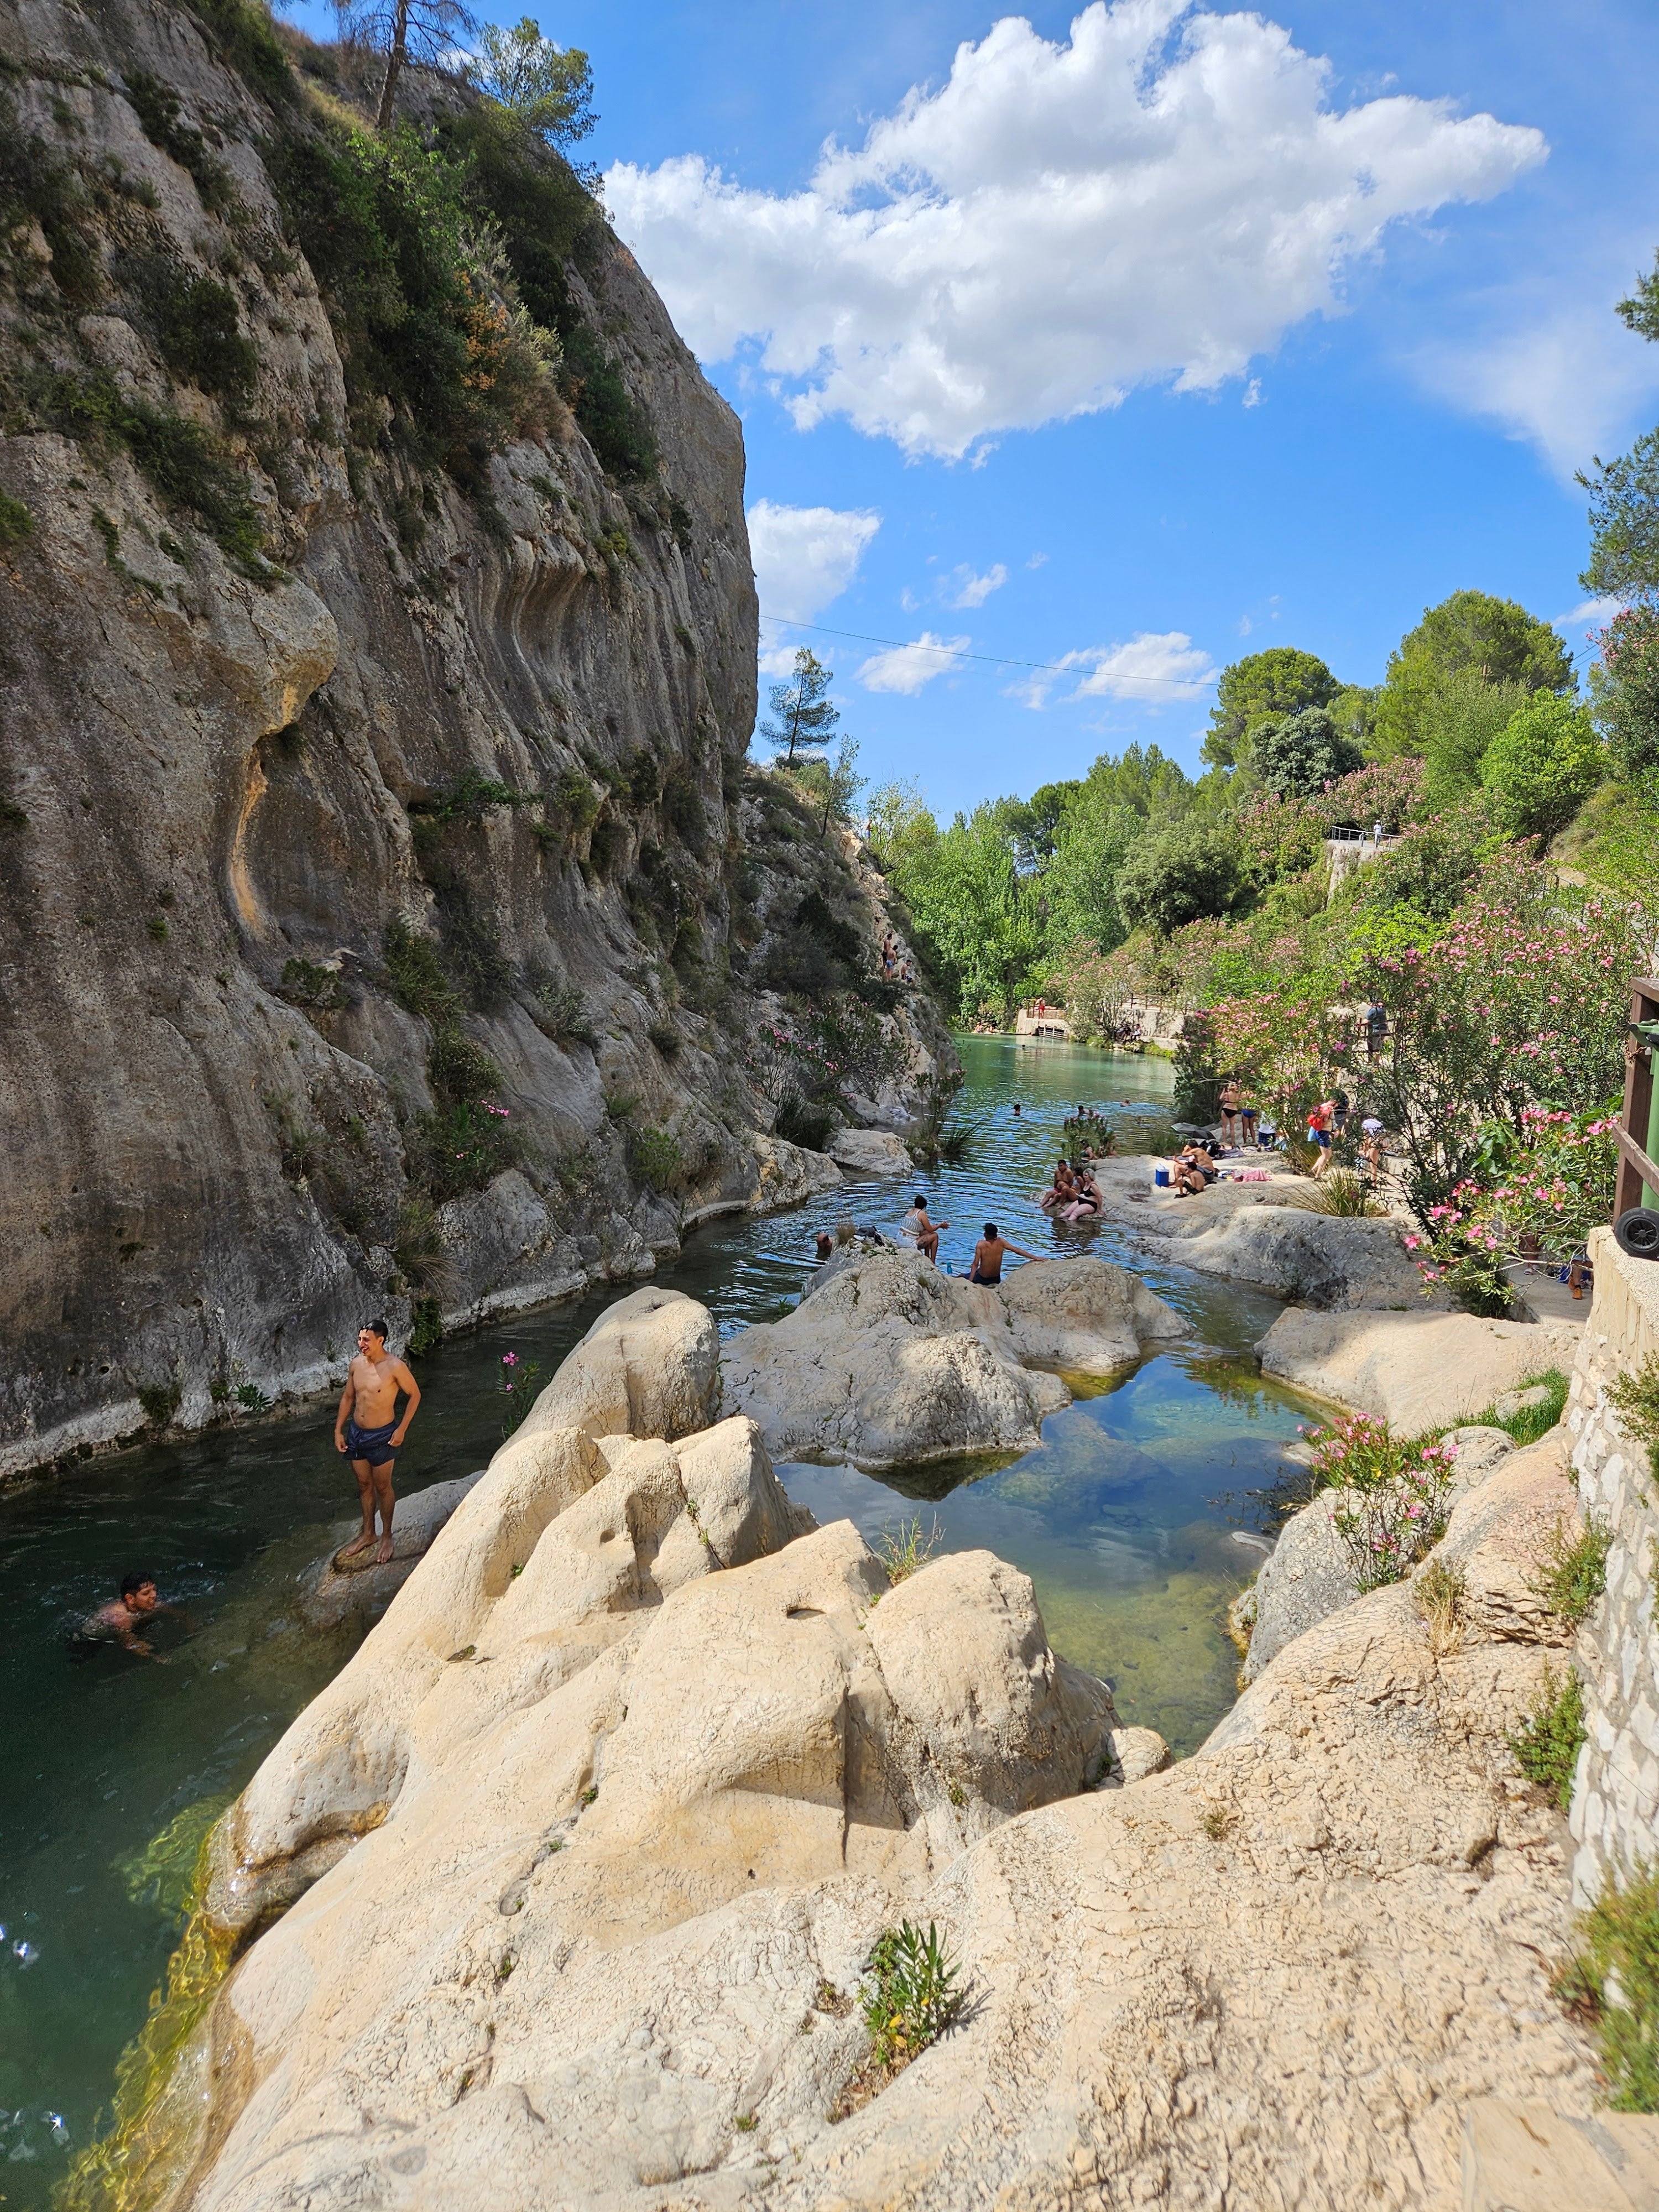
(600, 1951)
(887, 1360)
(333, 1590)
(1415, 1370)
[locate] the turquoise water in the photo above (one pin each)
(1123, 1516)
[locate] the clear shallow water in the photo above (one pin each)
(1122, 1516)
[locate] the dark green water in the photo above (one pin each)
(1123, 1516)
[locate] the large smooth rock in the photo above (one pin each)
(886, 1360)
(1415, 1370)
(869, 1152)
(1084, 1315)
(648, 1367)
(1265, 1233)
(1338, 1919)
(643, 1794)
(1308, 1576)
(331, 1593)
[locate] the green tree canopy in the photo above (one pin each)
(1144, 778)
(1459, 721)
(1034, 823)
(900, 827)
(1177, 874)
(1624, 518)
(1541, 766)
(803, 716)
(981, 916)
(1300, 753)
(1471, 630)
(1096, 835)
(550, 88)
(1263, 687)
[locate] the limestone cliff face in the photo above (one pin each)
(370, 846)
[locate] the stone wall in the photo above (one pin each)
(1615, 1798)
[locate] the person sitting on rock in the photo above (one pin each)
(989, 1254)
(1061, 1191)
(1087, 1203)
(924, 1233)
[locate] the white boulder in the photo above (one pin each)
(886, 1360)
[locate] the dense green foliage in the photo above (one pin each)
(1613, 1980)
(1264, 687)
(1546, 1744)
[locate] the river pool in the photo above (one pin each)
(1124, 1517)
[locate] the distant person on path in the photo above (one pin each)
(134, 1609)
(989, 1254)
(1376, 1027)
(367, 1429)
(926, 1232)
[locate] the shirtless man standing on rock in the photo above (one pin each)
(368, 1430)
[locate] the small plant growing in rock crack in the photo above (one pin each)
(904, 1548)
(1635, 1399)
(956, 1793)
(1546, 1744)
(910, 1995)
(1440, 1591)
(590, 1794)
(746, 2124)
(1394, 1492)
(1573, 1575)
(1218, 1822)
(252, 1398)
(1612, 1985)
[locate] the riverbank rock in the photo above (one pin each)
(605, 1949)
(644, 1789)
(1500, 1533)
(885, 1360)
(1415, 1370)
(1267, 1235)
(869, 1152)
(648, 1367)
(1309, 1576)
(331, 1591)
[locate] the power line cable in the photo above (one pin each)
(991, 659)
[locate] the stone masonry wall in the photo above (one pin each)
(1615, 1798)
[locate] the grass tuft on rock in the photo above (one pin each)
(1546, 1744)
(1574, 1573)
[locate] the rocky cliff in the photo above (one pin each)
(389, 919)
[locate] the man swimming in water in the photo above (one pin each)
(367, 1429)
(124, 1616)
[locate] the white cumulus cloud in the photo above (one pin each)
(1154, 665)
(962, 588)
(806, 556)
(1160, 196)
(908, 668)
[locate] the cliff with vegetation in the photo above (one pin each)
(391, 918)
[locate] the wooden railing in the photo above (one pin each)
(1635, 1122)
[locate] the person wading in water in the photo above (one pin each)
(367, 1429)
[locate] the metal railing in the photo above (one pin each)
(1638, 1172)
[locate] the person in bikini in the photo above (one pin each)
(989, 1253)
(924, 1232)
(1233, 1098)
(367, 1431)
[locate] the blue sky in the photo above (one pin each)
(1137, 343)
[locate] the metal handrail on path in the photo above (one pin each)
(1637, 1168)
